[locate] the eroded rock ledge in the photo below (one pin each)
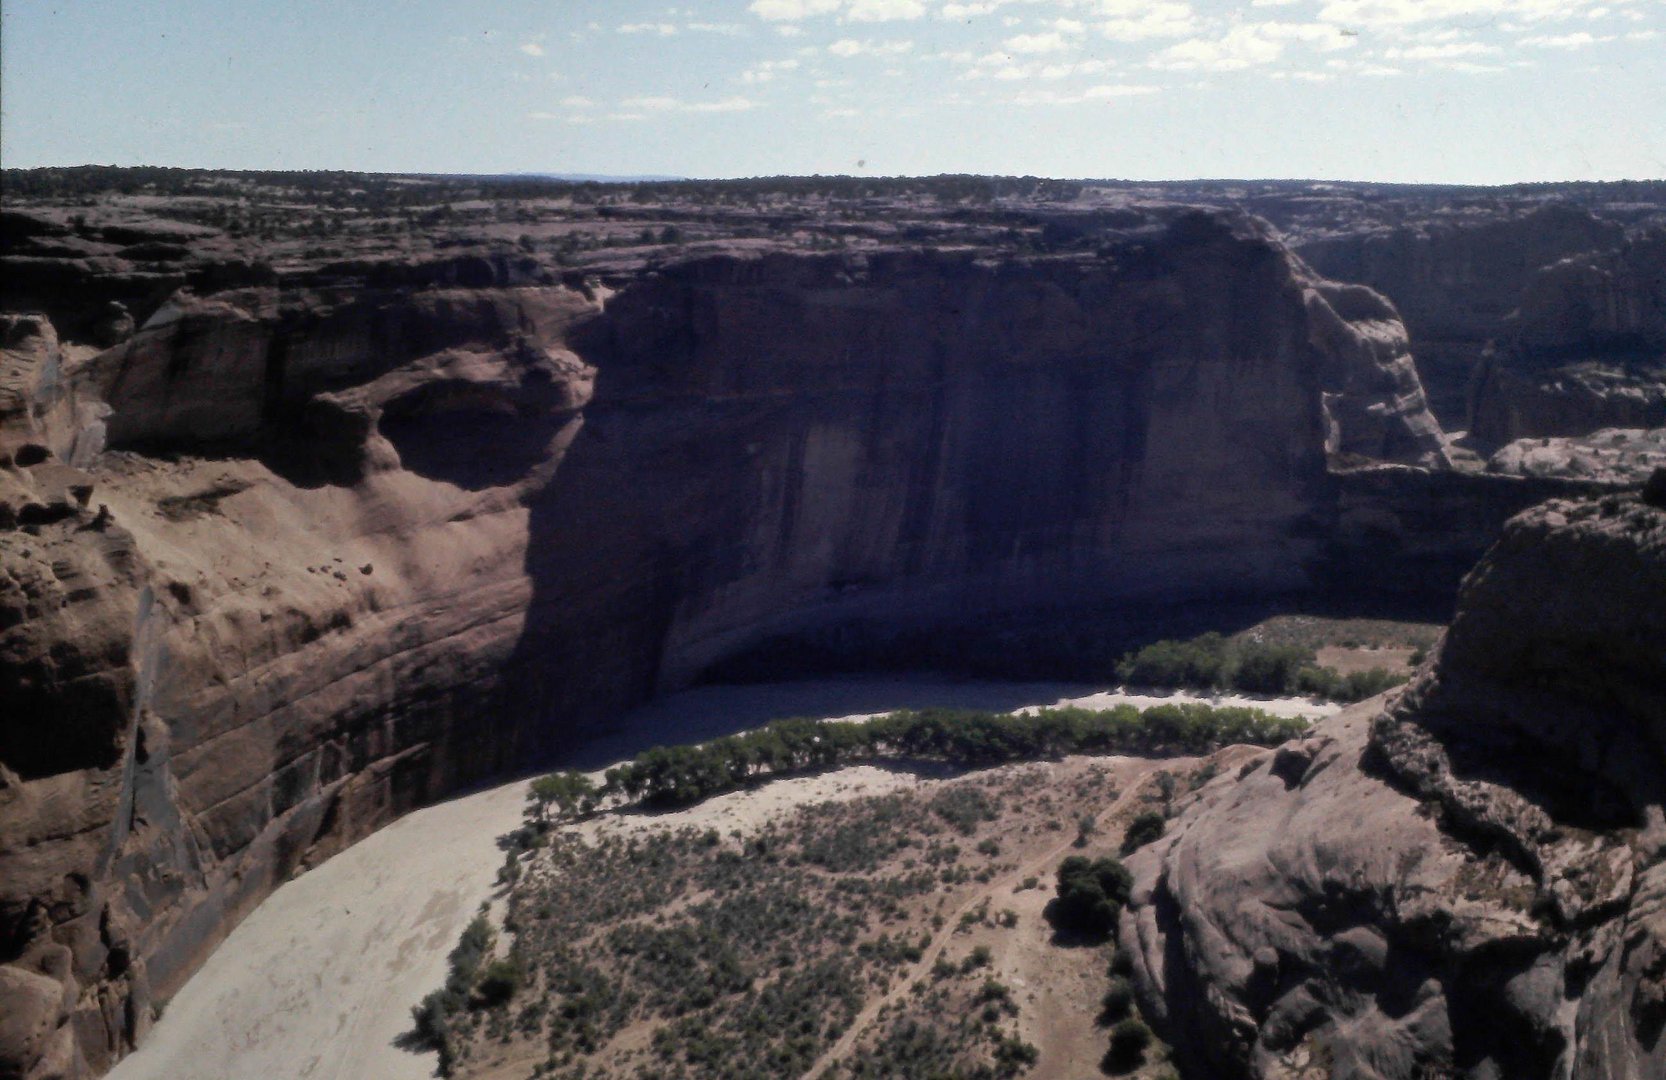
(1467, 881)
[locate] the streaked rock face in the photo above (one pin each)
(1586, 350)
(364, 533)
(1455, 278)
(1470, 880)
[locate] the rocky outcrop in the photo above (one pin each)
(1467, 881)
(1455, 278)
(1586, 350)
(305, 549)
(1621, 456)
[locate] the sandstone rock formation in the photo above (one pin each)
(318, 540)
(1624, 456)
(1467, 881)
(1454, 279)
(1586, 350)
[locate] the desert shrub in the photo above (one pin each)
(499, 982)
(1269, 669)
(1118, 1001)
(1129, 1040)
(1013, 1056)
(1090, 894)
(964, 808)
(1205, 661)
(1141, 831)
(1213, 662)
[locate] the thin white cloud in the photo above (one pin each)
(1104, 93)
(1379, 13)
(848, 47)
(1066, 71)
(1117, 90)
(577, 101)
(852, 10)
(792, 10)
(1442, 52)
(1052, 41)
(1577, 40)
(884, 10)
(1321, 36)
(659, 103)
(1240, 47)
(726, 29)
(1149, 22)
(532, 48)
(768, 70)
(662, 29)
(732, 104)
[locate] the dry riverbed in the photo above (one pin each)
(319, 981)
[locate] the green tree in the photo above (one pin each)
(569, 792)
(1142, 831)
(1090, 894)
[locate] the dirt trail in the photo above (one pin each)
(1039, 866)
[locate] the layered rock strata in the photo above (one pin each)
(1455, 279)
(1586, 350)
(314, 544)
(1466, 881)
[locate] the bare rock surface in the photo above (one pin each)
(1612, 455)
(1464, 880)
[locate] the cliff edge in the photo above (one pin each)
(1466, 881)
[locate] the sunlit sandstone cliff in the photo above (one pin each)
(315, 545)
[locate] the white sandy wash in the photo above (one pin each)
(318, 982)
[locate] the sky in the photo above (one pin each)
(1433, 91)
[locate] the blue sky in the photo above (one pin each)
(1470, 91)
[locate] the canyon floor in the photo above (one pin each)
(319, 981)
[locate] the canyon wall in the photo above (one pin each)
(317, 543)
(1455, 278)
(1466, 881)
(1586, 350)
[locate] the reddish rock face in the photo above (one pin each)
(371, 532)
(1467, 879)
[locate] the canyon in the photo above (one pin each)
(302, 530)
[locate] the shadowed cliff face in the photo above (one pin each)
(1586, 350)
(1468, 880)
(357, 542)
(1455, 280)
